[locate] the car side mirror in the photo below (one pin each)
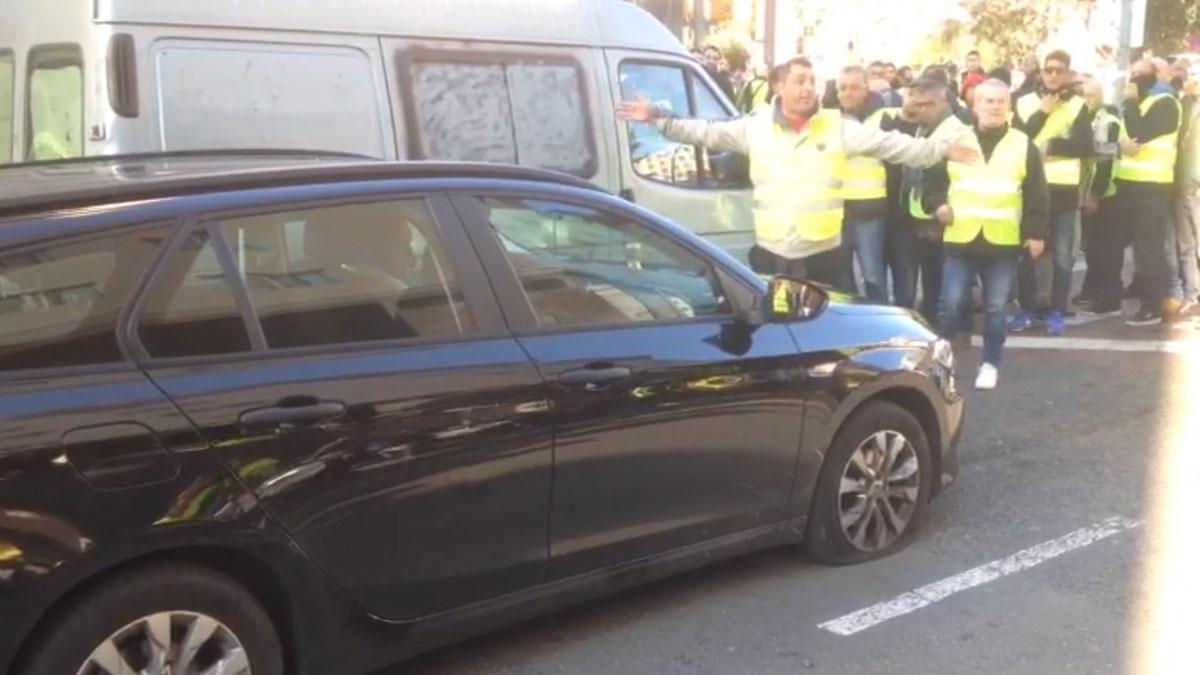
(786, 299)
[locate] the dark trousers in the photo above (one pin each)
(1112, 235)
(827, 268)
(1061, 246)
(1145, 213)
(996, 273)
(1091, 230)
(914, 251)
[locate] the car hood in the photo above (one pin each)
(850, 305)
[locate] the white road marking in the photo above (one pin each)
(1094, 344)
(924, 596)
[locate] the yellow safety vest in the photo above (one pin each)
(1059, 170)
(866, 177)
(987, 197)
(1156, 161)
(797, 183)
(915, 208)
(1101, 123)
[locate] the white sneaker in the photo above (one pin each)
(988, 377)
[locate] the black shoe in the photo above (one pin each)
(1105, 308)
(1145, 317)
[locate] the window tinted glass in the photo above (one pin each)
(7, 83)
(657, 158)
(190, 310)
(55, 105)
(526, 113)
(343, 274)
(581, 266)
(59, 303)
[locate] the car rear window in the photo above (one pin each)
(60, 301)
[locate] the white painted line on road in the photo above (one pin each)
(924, 596)
(1098, 345)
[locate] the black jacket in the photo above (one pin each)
(1079, 144)
(1161, 119)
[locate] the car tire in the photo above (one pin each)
(128, 610)
(834, 535)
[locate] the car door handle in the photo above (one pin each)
(292, 412)
(595, 377)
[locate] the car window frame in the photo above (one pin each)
(129, 361)
(410, 56)
(515, 302)
(692, 75)
(474, 286)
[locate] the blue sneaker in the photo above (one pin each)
(1020, 322)
(1057, 325)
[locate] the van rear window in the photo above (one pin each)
(532, 113)
(238, 95)
(54, 110)
(8, 82)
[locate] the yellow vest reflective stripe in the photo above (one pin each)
(1059, 170)
(866, 177)
(797, 183)
(987, 197)
(1156, 161)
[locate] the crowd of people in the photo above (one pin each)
(932, 183)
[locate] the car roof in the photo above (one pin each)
(90, 181)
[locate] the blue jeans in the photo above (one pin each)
(866, 238)
(1061, 245)
(1183, 230)
(996, 274)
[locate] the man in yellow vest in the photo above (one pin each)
(866, 190)
(993, 210)
(1060, 124)
(1103, 243)
(798, 154)
(1145, 179)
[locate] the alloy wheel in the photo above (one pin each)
(170, 643)
(879, 489)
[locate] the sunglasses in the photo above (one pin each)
(1054, 70)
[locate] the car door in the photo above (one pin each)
(348, 362)
(674, 425)
(706, 192)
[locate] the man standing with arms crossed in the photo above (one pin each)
(994, 209)
(798, 154)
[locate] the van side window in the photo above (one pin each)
(60, 302)
(243, 95)
(54, 103)
(8, 77)
(521, 112)
(681, 91)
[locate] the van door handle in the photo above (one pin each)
(595, 377)
(291, 412)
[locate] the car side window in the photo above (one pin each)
(583, 266)
(682, 92)
(348, 273)
(8, 83)
(190, 310)
(60, 302)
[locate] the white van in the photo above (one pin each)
(529, 82)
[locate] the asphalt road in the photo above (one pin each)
(1070, 440)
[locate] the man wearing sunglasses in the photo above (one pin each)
(1060, 124)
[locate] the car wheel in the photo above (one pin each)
(873, 488)
(165, 620)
